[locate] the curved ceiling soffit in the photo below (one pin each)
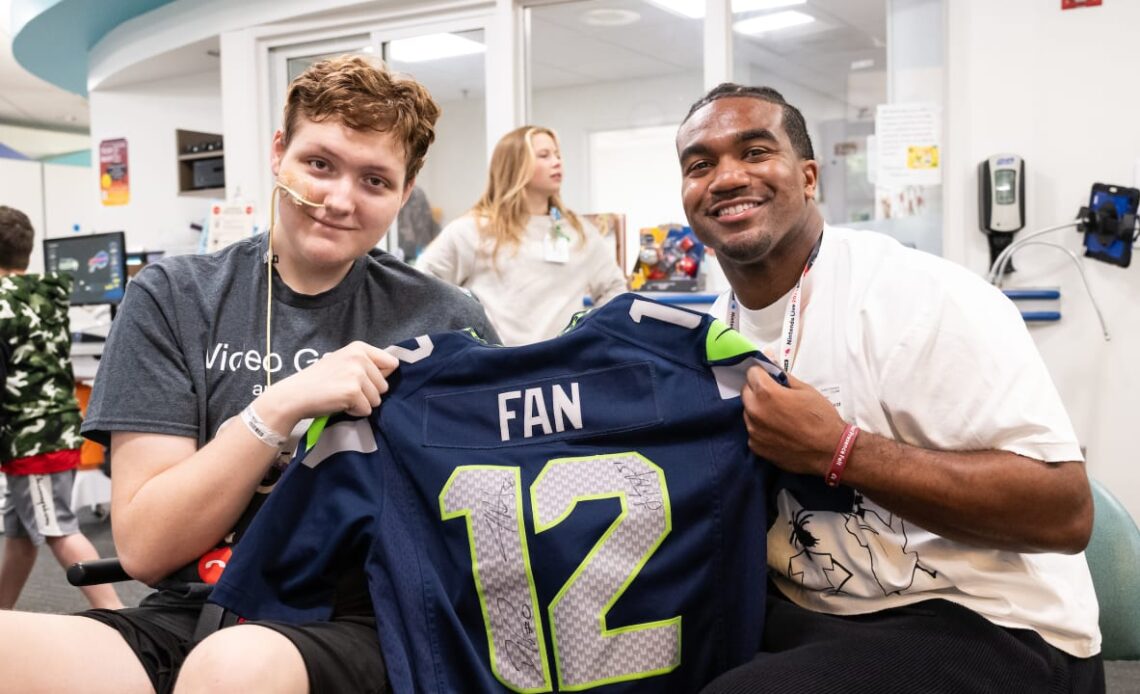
(52, 39)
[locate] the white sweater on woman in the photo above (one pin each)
(527, 297)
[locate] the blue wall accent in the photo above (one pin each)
(79, 158)
(7, 152)
(52, 38)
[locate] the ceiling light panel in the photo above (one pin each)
(420, 49)
(695, 9)
(609, 17)
(772, 22)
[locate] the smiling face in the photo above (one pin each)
(746, 192)
(546, 179)
(359, 176)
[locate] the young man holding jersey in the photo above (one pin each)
(198, 439)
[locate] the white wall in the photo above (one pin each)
(575, 112)
(71, 196)
(1054, 86)
(147, 114)
(455, 171)
(23, 190)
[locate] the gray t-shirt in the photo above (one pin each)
(187, 349)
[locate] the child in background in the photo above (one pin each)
(39, 418)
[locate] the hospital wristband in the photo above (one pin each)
(842, 453)
(261, 430)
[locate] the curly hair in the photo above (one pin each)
(16, 239)
(793, 120)
(363, 94)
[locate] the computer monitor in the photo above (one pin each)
(98, 262)
(137, 260)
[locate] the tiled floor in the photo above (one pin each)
(1123, 677)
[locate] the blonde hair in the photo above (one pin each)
(501, 213)
(361, 93)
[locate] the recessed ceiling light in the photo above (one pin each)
(695, 9)
(772, 22)
(432, 47)
(609, 17)
(691, 9)
(862, 64)
(739, 6)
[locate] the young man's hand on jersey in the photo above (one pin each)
(352, 379)
(796, 428)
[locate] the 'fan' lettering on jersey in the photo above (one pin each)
(563, 408)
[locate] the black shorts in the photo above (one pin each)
(931, 647)
(342, 655)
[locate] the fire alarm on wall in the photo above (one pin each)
(1074, 4)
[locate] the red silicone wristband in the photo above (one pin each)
(842, 453)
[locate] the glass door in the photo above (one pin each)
(448, 59)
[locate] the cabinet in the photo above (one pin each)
(201, 164)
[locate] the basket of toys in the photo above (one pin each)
(668, 260)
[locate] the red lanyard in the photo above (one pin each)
(790, 335)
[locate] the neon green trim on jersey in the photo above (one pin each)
(574, 320)
(313, 434)
(471, 332)
(722, 342)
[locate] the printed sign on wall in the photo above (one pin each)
(908, 138)
(229, 222)
(114, 183)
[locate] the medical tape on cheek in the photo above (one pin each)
(298, 191)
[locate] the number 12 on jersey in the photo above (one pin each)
(586, 653)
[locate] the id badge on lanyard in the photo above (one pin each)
(790, 334)
(556, 245)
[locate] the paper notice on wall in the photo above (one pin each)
(908, 139)
(229, 222)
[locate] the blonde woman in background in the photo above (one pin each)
(520, 251)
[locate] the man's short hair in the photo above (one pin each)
(793, 120)
(16, 239)
(363, 94)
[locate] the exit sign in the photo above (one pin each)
(1074, 4)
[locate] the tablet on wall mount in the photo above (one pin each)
(1109, 223)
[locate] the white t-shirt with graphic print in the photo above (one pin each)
(917, 349)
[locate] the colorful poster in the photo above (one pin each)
(114, 183)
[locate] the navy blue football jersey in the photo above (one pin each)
(578, 514)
